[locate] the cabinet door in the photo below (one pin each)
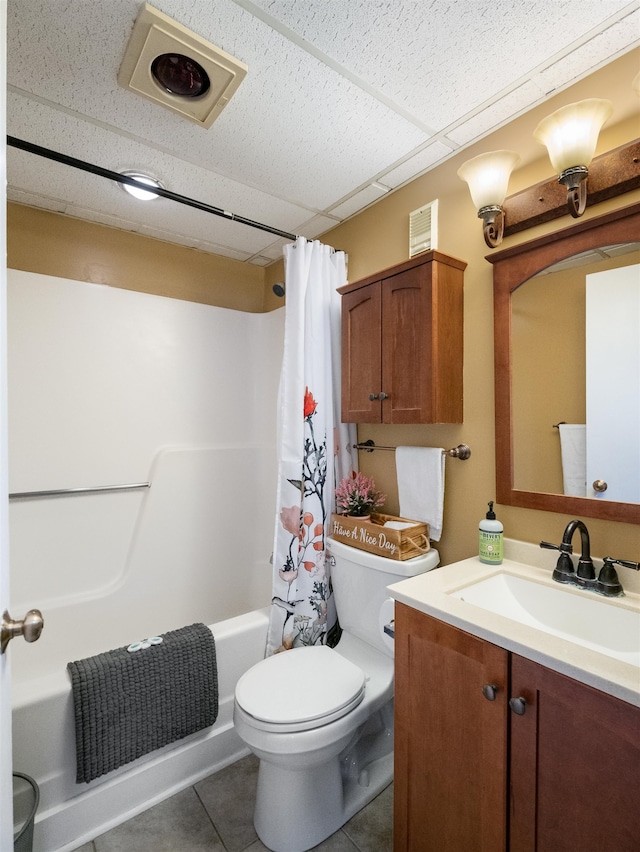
(450, 741)
(361, 356)
(407, 367)
(575, 766)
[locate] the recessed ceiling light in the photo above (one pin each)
(141, 194)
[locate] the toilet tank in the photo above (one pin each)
(360, 581)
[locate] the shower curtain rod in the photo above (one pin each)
(164, 193)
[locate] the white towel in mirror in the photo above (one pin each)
(420, 472)
(573, 449)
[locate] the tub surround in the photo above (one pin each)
(110, 386)
(431, 594)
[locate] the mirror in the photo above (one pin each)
(532, 398)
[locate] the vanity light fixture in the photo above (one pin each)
(570, 135)
(488, 177)
(138, 192)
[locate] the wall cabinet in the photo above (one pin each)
(474, 775)
(402, 343)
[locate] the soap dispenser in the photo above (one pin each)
(490, 538)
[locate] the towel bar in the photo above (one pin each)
(462, 451)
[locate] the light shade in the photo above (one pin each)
(136, 191)
(570, 134)
(488, 177)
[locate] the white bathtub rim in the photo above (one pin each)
(25, 691)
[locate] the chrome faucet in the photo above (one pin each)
(584, 576)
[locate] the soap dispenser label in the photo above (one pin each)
(490, 547)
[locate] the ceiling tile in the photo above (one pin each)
(361, 199)
(339, 96)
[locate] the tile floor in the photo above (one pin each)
(216, 815)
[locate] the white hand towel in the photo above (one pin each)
(573, 449)
(420, 472)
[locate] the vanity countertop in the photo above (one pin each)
(439, 593)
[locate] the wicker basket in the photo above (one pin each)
(373, 536)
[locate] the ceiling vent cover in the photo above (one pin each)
(155, 34)
(423, 228)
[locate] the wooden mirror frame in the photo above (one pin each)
(511, 268)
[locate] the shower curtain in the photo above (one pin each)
(314, 447)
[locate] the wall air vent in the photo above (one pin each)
(423, 228)
(174, 67)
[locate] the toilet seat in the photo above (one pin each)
(295, 691)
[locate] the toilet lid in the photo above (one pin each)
(301, 685)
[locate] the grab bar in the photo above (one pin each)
(65, 492)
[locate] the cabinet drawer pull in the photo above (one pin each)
(384, 395)
(518, 705)
(490, 690)
(373, 396)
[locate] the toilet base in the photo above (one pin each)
(296, 809)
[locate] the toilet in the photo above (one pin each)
(320, 719)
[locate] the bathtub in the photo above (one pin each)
(71, 814)
(115, 568)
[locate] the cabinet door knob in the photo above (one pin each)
(384, 395)
(518, 705)
(490, 690)
(373, 396)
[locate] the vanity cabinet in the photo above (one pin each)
(402, 343)
(474, 775)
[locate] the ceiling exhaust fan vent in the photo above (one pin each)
(172, 66)
(423, 228)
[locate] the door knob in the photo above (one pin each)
(30, 627)
(600, 486)
(373, 396)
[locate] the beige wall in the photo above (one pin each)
(53, 244)
(379, 237)
(374, 240)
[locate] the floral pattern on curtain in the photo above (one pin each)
(315, 449)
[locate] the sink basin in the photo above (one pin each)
(581, 617)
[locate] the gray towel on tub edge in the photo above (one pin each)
(129, 704)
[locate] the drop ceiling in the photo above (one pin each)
(344, 101)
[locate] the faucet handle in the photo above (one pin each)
(608, 583)
(635, 566)
(564, 571)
